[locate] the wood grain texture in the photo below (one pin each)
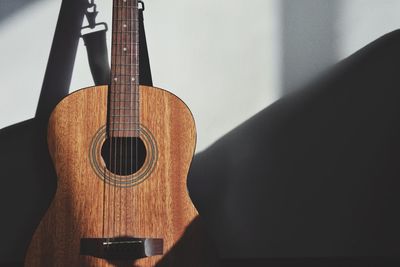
(157, 208)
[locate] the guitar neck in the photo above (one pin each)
(124, 95)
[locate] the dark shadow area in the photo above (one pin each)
(28, 183)
(9, 8)
(308, 40)
(196, 248)
(316, 174)
(28, 178)
(313, 262)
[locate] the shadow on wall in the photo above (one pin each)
(8, 8)
(28, 178)
(308, 40)
(316, 173)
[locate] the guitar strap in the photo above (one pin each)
(96, 46)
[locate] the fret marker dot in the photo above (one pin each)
(125, 49)
(115, 79)
(124, 25)
(133, 79)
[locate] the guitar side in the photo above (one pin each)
(85, 206)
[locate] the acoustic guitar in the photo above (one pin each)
(121, 152)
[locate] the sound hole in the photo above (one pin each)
(123, 155)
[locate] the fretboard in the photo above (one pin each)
(124, 91)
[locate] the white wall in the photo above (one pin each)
(223, 58)
(361, 21)
(25, 41)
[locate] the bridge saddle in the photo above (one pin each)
(121, 248)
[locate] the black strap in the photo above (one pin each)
(96, 46)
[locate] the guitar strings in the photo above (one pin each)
(132, 122)
(117, 135)
(137, 82)
(111, 124)
(117, 96)
(120, 101)
(122, 125)
(126, 139)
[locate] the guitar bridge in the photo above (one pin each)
(120, 249)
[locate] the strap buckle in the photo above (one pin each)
(91, 14)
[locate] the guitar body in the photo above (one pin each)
(155, 204)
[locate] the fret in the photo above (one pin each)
(125, 81)
(132, 7)
(125, 64)
(131, 74)
(129, 19)
(129, 34)
(123, 106)
(127, 70)
(125, 78)
(124, 84)
(127, 126)
(136, 43)
(125, 75)
(130, 90)
(121, 70)
(126, 108)
(124, 28)
(130, 62)
(122, 101)
(125, 43)
(131, 94)
(124, 119)
(122, 116)
(123, 54)
(125, 20)
(124, 125)
(129, 122)
(124, 92)
(133, 39)
(126, 130)
(132, 115)
(129, 116)
(125, 31)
